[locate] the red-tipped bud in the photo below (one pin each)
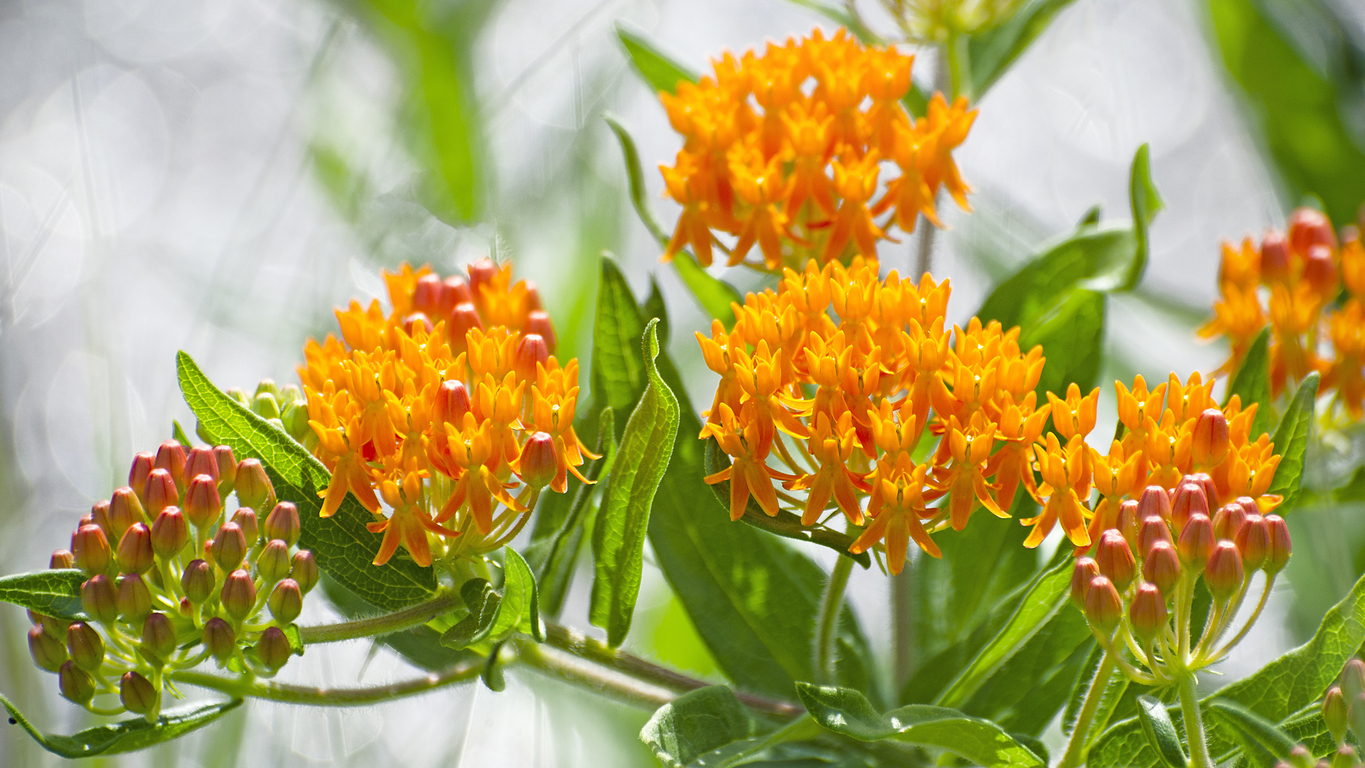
(219, 638)
(203, 504)
(253, 485)
(186, 608)
(1253, 541)
(171, 457)
(136, 693)
(1224, 573)
(1202, 480)
(427, 295)
(170, 533)
(1229, 520)
(161, 492)
(75, 683)
(1274, 258)
(1334, 713)
(53, 626)
(198, 581)
(283, 523)
(1147, 613)
(143, 464)
(304, 570)
(463, 318)
(532, 295)
(48, 652)
(61, 558)
(1278, 555)
(1154, 501)
(1188, 499)
(452, 403)
(1128, 523)
(1085, 571)
(1320, 270)
(245, 518)
(132, 600)
(273, 648)
(1153, 529)
(1345, 757)
(91, 550)
(456, 292)
(99, 515)
(158, 637)
(1210, 445)
(538, 322)
(201, 461)
(1300, 757)
(229, 546)
(1196, 542)
(273, 563)
(286, 601)
(480, 273)
(1103, 608)
(124, 510)
(1161, 566)
(416, 320)
(531, 351)
(1353, 679)
(98, 598)
(239, 594)
(135, 553)
(538, 463)
(227, 468)
(85, 646)
(1116, 560)
(1308, 228)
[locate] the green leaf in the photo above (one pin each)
(618, 541)
(483, 603)
(520, 608)
(1291, 440)
(654, 307)
(126, 735)
(344, 548)
(178, 434)
(295, 638)
(993, 51)
(659, 70)
(1260, 730)
(55, 593)
(839, 15)
(1251, 383)
(1160, 732)
(696, 723)
(1071, 333)
(492, 675)
(849, 713)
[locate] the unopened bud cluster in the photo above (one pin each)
(174, 579)
(1138, 584)
(285, 407)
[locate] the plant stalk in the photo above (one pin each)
(827, 622)
(1076, 748)
(1194, 722)
(330, 697)
(388, 623)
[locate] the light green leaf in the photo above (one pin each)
(1251, 383)
(483, 603)
(1291, 440)
(659, 70)
(839, 14)
(178, 433)
(849, 713)
(519, 589)
(618, 540)
(126, 735)
(1071, 333)
(992, 51)
(295, 638)
(1160, 732)
(344, 548)
(55, 593)
(1259, 730)
(696, 723)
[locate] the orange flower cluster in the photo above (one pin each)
(434, 407)
(784, 151)
(842, 404)
(1293, 283)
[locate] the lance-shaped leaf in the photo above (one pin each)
(696, 723)
(661, 71)
(520, 607)
(124, 736)
(55, 593)
(849, 713)
(618, 539)
(344, 548)
(1161, 734)
(1291, 440)
(1253, 729)
(1251, 383)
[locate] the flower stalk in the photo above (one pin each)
(1077, 747)
(827, 621)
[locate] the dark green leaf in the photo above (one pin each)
(1160, 732)
(54, 593)
(992, 52)
(659, 70)
(1071, 333)
(483, 603)
(849, 713)
(126, 735)
(492, 671)
(655, 308)
(1291, 440)
(696, 723)
(1253, 726)
(1033, 684)
(618, 541)
(1354, 489)
(1251, 383)
(344, 548)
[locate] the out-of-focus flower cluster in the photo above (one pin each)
(442, 408)
(173, 580)
(1293, 283)
(925, 21)
(785, 150)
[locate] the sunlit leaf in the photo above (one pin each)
(55, 593)
(1251, 383)
(696, 723)
(126, 735)
(1291, 440)
(658, 69)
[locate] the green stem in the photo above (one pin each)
(1076, 748)
(388, 623)
(903, 626)
(827, 622)
(330, 697)
(1194, 722)
(959, 64)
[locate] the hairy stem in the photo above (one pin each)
(1194, 722)
(388, 623)
(827, 622)
(330, 697)
(903, 626)
(1076, 748)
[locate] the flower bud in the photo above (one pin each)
(1345, 757)
(135, 553)
(1086, 570)
(1128, 522)
(1253, 541)
(1334, 713)
(266, 406)
(1274, 258)
(273, 648)
(239, 594)
(1300, 757)
(463, 319)
(1320, 270)
(305, 570)
(253, 486)
(531, 351)
(99, 515)
(1153, 529)
(273, 563)
(245, 518)
(143, 464)
(1115, 560)
(48, 652)
(53, 626)
(132, 600)
(161, 492)
(171, 457)
(1353, 679)
(452, 403)
(538, 322)
(295, 419)
(1210, 445)
(1161, 566)
(219, 638)
(1103, 608)
(415, 320)
(286, 601)
(1196, 542)
(229, 546)
(98, 598)
(158, 637)
(170, 533)
(85, 645)
(1355, 712)
(1154, 501)
(203, 504)
(198, 581)
(456, 292)
(61, 558)
(480, 273)
(201, 461)
(283, 523)
(75, 683)
(1307, 228)
(90, 549)
(538, 464)
(1147, 614)
(1203, 480)
(124, 510)
(1188, 499)
(136, 693)
(1278, 554)
(426, 296)
(1224, 573)
(533, 301)
(1228, 520)
(227, 469)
